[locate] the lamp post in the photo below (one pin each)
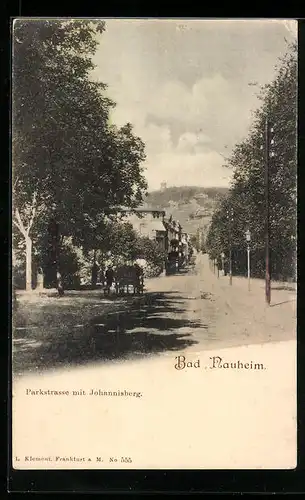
(230, 218)
(248, 239)
(223, 262)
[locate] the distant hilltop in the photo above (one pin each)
(180, 194)
(193, 206)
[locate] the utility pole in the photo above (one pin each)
(248, 238)
(230, 269)
(248, 260)
(268, 141)
(230, 219)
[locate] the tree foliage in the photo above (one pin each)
(69, 163)
(245, 205)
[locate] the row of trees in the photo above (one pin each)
(80, 266)
(72, 168)
(198, 240)
(244, 207)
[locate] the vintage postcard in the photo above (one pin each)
(154, 176)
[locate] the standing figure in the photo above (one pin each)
(39, 279)
(138, 285)
(60, 285)
(109, 275)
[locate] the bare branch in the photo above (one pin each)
(34, 207)
(15, 183)
(17, 225)
(20, 223)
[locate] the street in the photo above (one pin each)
(219, 315)
(232, 405)
(154, 246)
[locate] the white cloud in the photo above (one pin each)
(191, 161)
(186, 91)
(205, 169)
(157, 138)
(192, 143)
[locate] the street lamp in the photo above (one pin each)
(223, 263)
(248, 239)
(230, 217)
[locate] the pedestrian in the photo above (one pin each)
(109, 275)
(138, 286)
(60, 285)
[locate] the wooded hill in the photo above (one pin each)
(193, 206)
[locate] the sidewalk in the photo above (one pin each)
(247, 309)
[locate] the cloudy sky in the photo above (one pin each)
(184, 85)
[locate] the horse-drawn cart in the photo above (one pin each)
(129, 278)
(126, 279)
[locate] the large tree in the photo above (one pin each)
(69, 164)
(245, 204)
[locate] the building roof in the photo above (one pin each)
(144, 210)
(157, 225)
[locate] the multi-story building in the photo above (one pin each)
(185, 244)
(155, 225)
(149, 223)
(174, 232)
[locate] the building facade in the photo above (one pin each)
(148, 223)
(174, 232)
(155, 225)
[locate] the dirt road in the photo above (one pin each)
(112, 396)
(218, 315)
(193, 310)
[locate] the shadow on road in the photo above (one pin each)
(280, 303)
(153, 324)
(287, 288)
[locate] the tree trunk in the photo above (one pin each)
(28, 266)
(94, 271)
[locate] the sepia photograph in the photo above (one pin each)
(154, 243)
